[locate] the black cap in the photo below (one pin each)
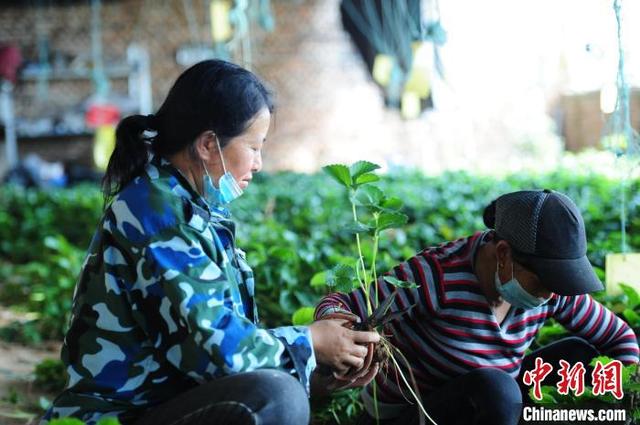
(546, 228)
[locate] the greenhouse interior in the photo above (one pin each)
(319, 212)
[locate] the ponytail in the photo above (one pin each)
(129, 155)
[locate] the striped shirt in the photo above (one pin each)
(452, 329)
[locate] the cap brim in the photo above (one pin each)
(567, 277)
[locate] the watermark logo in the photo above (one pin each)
(571, 378)
(608, 379)
(546, 416)
(605, 378)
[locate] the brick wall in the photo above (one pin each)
(329, 110)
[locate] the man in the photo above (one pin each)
(479, 305)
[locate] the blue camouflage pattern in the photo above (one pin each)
(164, 302)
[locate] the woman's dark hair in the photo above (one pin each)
(211, 95)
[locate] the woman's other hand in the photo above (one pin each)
(338, 347)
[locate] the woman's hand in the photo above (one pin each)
(338, 347)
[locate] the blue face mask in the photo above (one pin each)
(513, 293)
(228, 188)
(211, 195)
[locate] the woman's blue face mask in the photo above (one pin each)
(228, 188)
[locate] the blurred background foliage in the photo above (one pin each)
(289, 225)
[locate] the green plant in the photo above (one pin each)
(382, 214)
(28, 216)
(287, 226)
(44, 288)
(13, 397)
(50, 375)
(66, 421)
(74, 421)
(344, 407)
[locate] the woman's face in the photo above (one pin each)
(243, 153)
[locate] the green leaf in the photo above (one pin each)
(366, 179)
(631, 317)
(602, 359)
(633, 299)
(550, 332)
(319, 279)
(66, 421)
(369, 196)
(344, 277)
(108, 421)
(302, 316)
(400, 283)
(628, 372)
(353, 228)
(52, 242)
(305, 298)
(388, 220)
(287, 301)
(282, 253)
(392, 203)
(362, 167)
(340, 173)
(548, 393)
(634, 386)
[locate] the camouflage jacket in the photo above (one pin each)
(164, 302)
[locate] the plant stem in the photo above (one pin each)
(415, 396)
(365, 285)
(375, 401)
(376, 238)
(376, 302)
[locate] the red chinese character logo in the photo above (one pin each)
(607, 379)
(536, 376)
(571, 378)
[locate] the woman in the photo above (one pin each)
(479, 304)
(164, 322)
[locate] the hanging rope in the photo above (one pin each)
(242, 37)
(43, 53)
(621, 135)
(99, 77)
(187, 6)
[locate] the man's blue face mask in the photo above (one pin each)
(513, 293)
(228, 188)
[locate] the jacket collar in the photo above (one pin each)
(160, 168)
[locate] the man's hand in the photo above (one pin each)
(322, 385)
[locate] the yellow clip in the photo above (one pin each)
(418, 81)
(382, 68)
(410, 105)
(221, 30)
(103, 144)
